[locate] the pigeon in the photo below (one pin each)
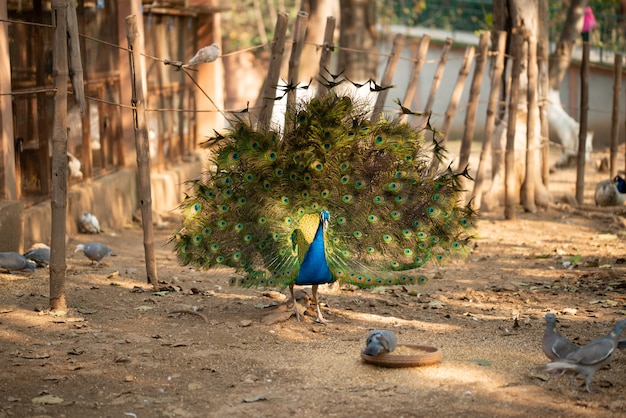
(88, 224)
(13, 261)
(94, 251)
(40, 255)
(622, 344)
(380, 341)
(591, 357)
(554, 345)
(206, 54)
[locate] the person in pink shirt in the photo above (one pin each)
(589, 23)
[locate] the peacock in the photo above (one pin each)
(335, 197)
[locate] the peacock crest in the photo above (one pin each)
(260, 207)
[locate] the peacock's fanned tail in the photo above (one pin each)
(389, 214)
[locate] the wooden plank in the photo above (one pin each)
(532, 140)
(455, 97)
(490, 122)
(8, 179)
(441, 66)
(418, 58)
(510, 183)
(143, 148)
(472, 105)
(390, 69)
(75, 62)
(273, 73)
(299, 33)
(327, 49)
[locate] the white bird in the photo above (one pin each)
(89, 224)
(73, 166)
(206, 54)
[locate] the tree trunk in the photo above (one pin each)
(358, 33)
(524, 17)
(319, 11)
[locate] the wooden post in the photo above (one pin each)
(617, 93)
(327, 49)
(8, 181)
(143, 149)
(75, 62)
(492, 110)
(455, 98)
(582, 133)
(58, 199)
(299, 32)
(436, 81)
(418, 62)
(392, 63)
(273, 73)
(543, 60)
(532, 141)
(474, 95)
(510, 189)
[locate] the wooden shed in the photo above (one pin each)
(101, 140)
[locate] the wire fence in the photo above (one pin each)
(169, 103)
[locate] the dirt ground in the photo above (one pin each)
(201, 348)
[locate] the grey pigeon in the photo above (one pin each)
(592, 356)
(88, 223)
(13, 261)
(611, 192)
(554, 345)
(380, 341)
(40, 255)
(94, 251)
(206, 54)
(622, 344)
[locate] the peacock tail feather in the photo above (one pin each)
(258, 208)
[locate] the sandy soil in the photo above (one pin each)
(202, 348)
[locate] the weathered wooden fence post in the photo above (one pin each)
(392, 63)
(455, 98)
(474, 95)
(419, 57)
(58, 198)
(327, 49)
(436, 81)
(273, 73)
(143, 148)
(299, 32)
(492, 110)
(510, 183)
(582, 133)
(532, 140)
(617, 93)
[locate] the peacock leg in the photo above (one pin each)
(293, 300)
(319, 318)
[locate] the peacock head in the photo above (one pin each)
(324, 218)
(620, 183)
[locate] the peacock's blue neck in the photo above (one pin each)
(314, 269)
